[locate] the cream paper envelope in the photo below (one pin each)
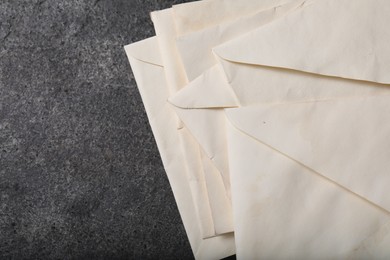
(219, 205)
(149, 73)
(285, 210)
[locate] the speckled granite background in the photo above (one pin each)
(80, 174)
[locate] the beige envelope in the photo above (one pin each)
(147, 67)
(326, 51)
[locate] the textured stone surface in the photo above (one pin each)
(80, 174)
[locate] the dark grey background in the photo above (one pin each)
(80, 174)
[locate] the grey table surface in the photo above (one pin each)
(80, 173)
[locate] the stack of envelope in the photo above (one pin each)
(272, 118)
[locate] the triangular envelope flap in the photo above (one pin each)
(341, 38)
(210, 90)
(346, 140)
(145, 51)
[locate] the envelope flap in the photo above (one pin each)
(340, 38)
(209, 90)
(145, 51)
(345, 141)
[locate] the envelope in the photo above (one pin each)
(149, 73)
(297, 82)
